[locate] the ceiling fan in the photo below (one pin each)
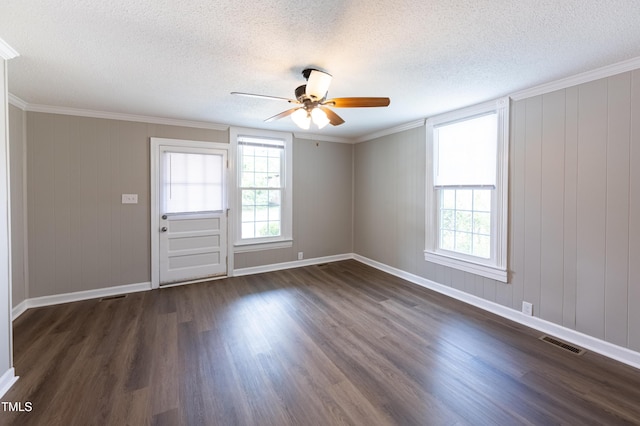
(312, 103)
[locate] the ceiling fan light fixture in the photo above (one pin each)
(301, 118)
(318, 84)
(319, 118)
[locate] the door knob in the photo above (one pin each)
(164, 216)
(163, 229)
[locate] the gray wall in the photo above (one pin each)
(80, 235)
(322, 204)
(17, 154)
(574, 232)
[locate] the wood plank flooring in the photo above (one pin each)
(334, 344)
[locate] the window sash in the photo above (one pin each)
(465, 152)
(465, 225)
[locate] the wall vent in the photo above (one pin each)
(118, 296)
(564, 345)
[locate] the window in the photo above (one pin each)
(467, 156)
(260, 187)
(263, 183)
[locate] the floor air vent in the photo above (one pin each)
(566, 346)
(118, 296)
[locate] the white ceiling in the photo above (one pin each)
(180, 59)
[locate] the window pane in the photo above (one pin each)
(447, 219)
(481, 223)
(464, 199)
(274, 180)
(248, 230)
(463, 242)
(248, 214)
(262, 180)
(449, 198)
(262, 213)
(447, 240)
(262, 197)
(482, 200)
(274, 165)
(267, 229)
(482, 246)
(464, 221)
(192, 182)
(249, 150)
(248, 161)
(248, 179)
(261, 164)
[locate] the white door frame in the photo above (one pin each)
(155, 145)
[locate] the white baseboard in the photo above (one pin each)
(619, 353)
(288, 265)
(57, 299)
(19, 309)
(7, 380)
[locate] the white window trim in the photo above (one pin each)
(496, 267)
(285, 240)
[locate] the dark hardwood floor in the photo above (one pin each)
(333, 344)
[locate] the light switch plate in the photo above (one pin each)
(129, 198)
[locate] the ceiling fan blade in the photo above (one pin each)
(253, 95)
(357, 102)
(282, 115)
(334, 118)
(318, 84)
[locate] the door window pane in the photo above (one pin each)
(192, 182)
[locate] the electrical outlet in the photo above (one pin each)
(300, 255)
(527, 308)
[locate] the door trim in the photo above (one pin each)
(155, 144)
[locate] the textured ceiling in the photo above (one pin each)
(180, 59)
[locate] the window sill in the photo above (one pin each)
(487, 271)
(267, 245)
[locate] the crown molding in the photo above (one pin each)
(17, 102)
(574, 80)
(391, 130)
(6, 51)
(25, 106)
(324, 138)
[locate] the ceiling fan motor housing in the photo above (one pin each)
(300, 92)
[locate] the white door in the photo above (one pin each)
(192, 214)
